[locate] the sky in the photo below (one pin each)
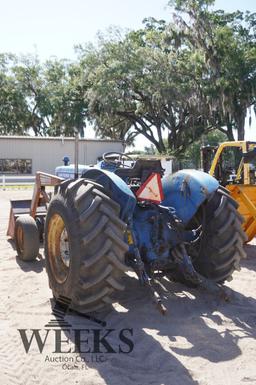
(52, 27)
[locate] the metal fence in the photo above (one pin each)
(15, 180)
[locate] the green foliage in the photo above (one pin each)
(226, 41)
(142, 85)
(192, 154)
(185, 5)
(177, 80)
(183, 79)
(48, 98)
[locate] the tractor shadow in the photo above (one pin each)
(11, 243)
(210, 328)
(148, 362)
(37, 265)
(250, 262)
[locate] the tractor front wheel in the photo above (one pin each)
(26, 238)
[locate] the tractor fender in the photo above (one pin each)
(115, 188)
(186, 190)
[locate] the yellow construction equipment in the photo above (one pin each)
(233, 164)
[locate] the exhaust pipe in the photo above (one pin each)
(76, 153)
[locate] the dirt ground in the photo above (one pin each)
(202, 340)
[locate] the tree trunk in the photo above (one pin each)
(240, 126)
(229, 132)
(160, 139)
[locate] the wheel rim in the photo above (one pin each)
(20, 239)
(58, 248)
(64, 248)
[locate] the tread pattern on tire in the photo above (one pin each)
(30, 238)
(223, 238)
(99, 234)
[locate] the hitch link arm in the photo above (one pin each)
(139, 268)
(186, 266)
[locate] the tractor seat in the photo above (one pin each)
(141, 169)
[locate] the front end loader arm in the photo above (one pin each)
(39, 193)
(30, 206)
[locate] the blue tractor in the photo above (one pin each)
(117, 217)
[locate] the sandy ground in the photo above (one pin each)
(201, 340)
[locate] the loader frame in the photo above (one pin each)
(35, 207)
(244, 193)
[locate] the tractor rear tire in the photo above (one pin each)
(84, 246)
(26, 238)
(221, 245)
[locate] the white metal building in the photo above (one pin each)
(24, 155)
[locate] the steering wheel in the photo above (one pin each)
(121, 157)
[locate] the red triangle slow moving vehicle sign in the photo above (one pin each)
(151, 190)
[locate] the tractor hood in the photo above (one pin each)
(186, 190)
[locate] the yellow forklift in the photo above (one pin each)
(233, 164)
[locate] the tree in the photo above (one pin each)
(141, 84)
(65, 94)
(28, 75)
(47, 99)
(227, 43)
(192, 154)
(184, 78)
(13, 108)
(177, 80)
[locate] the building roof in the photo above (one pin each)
(61, 138)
